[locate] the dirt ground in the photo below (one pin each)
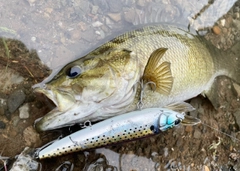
(212, 145)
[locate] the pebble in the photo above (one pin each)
(109, 22)
(31, 137)
(94, 9)
(2, 125)
(197, 134)
(88, 35)
(115, 16)
(97, 24)
(189, 129)
(216, 30)
(24, 111)
(15, 100)
(129, 16)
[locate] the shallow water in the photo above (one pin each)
(61, 31)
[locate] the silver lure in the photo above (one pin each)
(136, 124)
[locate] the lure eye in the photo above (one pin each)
(177, 121)
(73, 72)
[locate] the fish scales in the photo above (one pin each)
(105, 82)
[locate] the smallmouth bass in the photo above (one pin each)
(171, 65)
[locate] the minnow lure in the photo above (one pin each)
(129, 126)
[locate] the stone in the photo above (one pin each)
(89, 35)
(216, 30)
(197, 134)
(31, 137)
(94, 9)
(97, 24)
(115, 16)
(15, 100)
(24, 111)
(189, 129)
(129, 16)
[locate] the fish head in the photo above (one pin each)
(90, 88)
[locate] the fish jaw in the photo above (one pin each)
(57, 119)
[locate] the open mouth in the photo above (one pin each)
(47, 93)
(63, 100)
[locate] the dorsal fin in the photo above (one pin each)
(159, 73)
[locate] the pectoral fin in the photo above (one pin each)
(159, 73)
(180, 107)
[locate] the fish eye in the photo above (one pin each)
(74, 71)
(177, 121)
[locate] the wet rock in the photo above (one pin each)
(97, 24)
(115, 16)
(109, 22)
(15, 100)
(129, 16)
(94, 9)
(2, 125)
(88, 35)
(115, 6)
(24, 111)
(31, 137)
(100, 33)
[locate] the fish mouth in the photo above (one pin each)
(60, 116)
(47, 93)
(62, 99)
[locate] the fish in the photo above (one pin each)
(129, 126)
(151, 66)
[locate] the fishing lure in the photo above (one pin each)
(129, 126)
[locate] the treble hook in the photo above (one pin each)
(142, 87)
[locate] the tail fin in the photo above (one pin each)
(231, 62)
(226, 64)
